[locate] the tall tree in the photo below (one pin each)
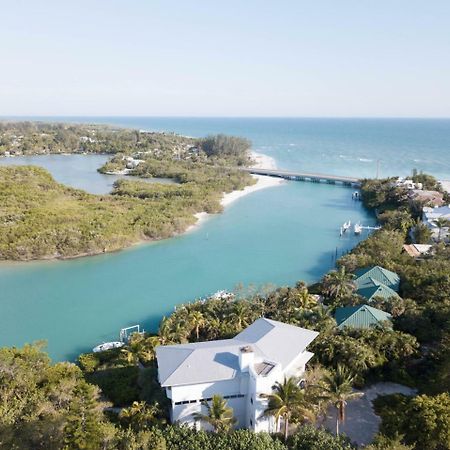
(285, 401)
(197, 321)
(441, 223)
(337, 389)
(338, 284)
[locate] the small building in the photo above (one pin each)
(376, 275)
(417, 250)
(373, 288)
(238, 369)
(361, 316)
(430, 217)
(427, 198)
(407, 184)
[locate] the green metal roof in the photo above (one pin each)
(378, 274)
(361, 316)
(372, 288)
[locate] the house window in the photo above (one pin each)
(251, 422)
(251, 400)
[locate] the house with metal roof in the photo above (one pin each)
(417, 250)
(372, 288)
(238, 369)
(376, 281)
(361, 316)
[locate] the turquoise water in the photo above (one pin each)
(78, 171)
(278, 235)
(336, 146)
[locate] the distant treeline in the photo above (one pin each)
(29, 138)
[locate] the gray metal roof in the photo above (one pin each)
(204, 362)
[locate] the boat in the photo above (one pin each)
(346, 226)
(107, 346)
(357, 228)
(222, 295)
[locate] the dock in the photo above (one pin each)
(305, 176)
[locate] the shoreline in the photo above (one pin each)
(445, 185)
(262, 182)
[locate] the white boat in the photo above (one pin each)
(107, 346)
(346, 226)
(222, 295)
(357, 228)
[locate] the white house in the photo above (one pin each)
(408, 184)
(238, 369)
(431, 215)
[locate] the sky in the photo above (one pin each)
(330, 58)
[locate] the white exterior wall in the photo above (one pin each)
(297, 367)
(197, 392)
(248, 409)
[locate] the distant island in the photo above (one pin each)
(42, 219)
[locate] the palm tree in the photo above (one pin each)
(129, 355)
(337, 390)
(146, 351)
(214, 326)
(441, 223)
(241, 314)
(287, 400)
(305, 300)
(197, 321)
(338, 284)
(219, 415)
(140, 415)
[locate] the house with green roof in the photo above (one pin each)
(360, 316)
(377, 281)
(372, 288)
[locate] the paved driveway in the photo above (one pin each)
(361, 422)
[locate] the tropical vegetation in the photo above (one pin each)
(42, 219)
(68, 406)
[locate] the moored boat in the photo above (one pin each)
(222, 295)
(107, 346)
(346, 226)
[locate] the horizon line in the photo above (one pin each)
(2, 117)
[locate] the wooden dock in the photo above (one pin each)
(306, 176)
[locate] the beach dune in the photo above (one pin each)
(262, 182)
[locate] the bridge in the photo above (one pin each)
(305, 176)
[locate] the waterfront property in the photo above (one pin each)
(417, 250)
(427, 198)
(373, 288)
(376, 281)
(238, 369)
(360, 316)
(432, 216)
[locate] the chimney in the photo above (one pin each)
(246, 357)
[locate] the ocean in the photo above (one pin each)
(275, 236)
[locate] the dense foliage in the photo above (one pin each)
(29, 138)
(49, 407)
(423, 421)
(40, 218)
(46, 402)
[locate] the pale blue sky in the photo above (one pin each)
(225, 58)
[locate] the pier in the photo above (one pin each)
(306, 176)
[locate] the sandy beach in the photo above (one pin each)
(446, 185)
(263, 182)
